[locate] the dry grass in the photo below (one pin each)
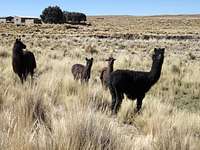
(56, 112)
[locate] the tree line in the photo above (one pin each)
(54, 15)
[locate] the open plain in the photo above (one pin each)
(56, 112)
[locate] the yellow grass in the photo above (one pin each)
(55, 112)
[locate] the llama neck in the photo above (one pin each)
(87, 70)
(17, 50)
(155, 72)
(110, 68)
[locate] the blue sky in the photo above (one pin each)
(102, 7)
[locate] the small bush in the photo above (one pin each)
(91, 49)
(192, 56)
(175, 69)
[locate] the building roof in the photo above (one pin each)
(28, 17)
(6, 17)
(3, 17)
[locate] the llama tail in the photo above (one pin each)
(34, 62)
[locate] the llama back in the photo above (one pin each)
(126, 73)
(129, 80)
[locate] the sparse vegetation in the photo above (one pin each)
(56, 112)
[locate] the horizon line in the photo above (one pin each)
(150, 15)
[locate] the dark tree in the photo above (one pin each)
(75, 17)
(53, 14)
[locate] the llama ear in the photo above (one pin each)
(92, 58)
(155, 50)
(86, 58)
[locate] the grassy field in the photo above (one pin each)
(55, 112)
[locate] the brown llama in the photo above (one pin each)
(106, 71)
(81, 72)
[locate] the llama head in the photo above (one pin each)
(19, 44)
(110, 60)
(89, 62)
(158, 54)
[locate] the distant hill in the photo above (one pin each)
(163, 15)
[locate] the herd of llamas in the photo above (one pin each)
(134, 84)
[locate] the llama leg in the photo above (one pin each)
(82, 81)
(32, 73)
(117, 105)
(113, 95)
(21, 77)
(75, 78)
(25, 76)
(118, 102)
(85, 81)
(105, 85)
(102, 84)
(139, 103)
(113, 101)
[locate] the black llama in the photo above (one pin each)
(135, 83)
(23, 62)
(106, 71)
(81, 72)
